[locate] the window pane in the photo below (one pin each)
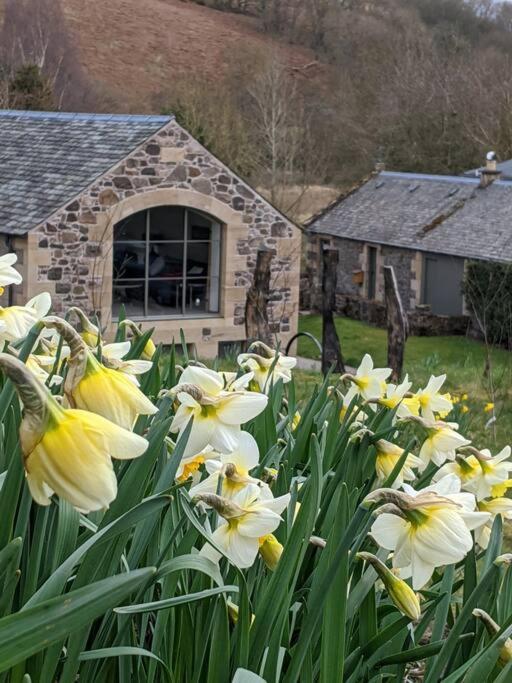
(198, 226)
(196, 296)
(165, 260)
(164, 297)
(166, 223)
(129, 260)
(198, 257)
(131, 294)
(131, 228)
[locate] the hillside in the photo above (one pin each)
(132, 49)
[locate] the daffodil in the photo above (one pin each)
(490, 471)
(368, 381)
(268, 365)
(431, 401)
(465, 468)
(189, 466)
(92, 386)
(388, 454)
(113, 357)
(495, 507)
(441, 443)
(16, 321)
(39, 366)
(66, 451)
(217, 413)
(488, 407)
(233, 470)
(245, 519)
(8, 274)
(505, 656)
(149, 348)
(90, 333)
(426, 529)
(395, 397)
(270, 551)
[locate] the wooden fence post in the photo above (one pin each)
(331, 349)
(256, 304)
(398, 326)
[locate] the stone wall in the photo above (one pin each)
(71, 253)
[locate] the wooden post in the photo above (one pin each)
(331, 350)
(256, 305)
(398, 326)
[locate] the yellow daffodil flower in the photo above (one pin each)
(489, 471)
(90, 333)
(66, 451)
(268, 365)
(150, 348)
(488, 407)
(8, 275)
(270, 551)
(368, 381)
(245, 519)
(388, 454)
(189, 466)
(499, 490)
(395, 397)
(217, 413)
(495, 507)
(464, 397)
(233, 468)
(16, 321)
(426, 529)
(402, 595)
(464, 409)
(431, 401)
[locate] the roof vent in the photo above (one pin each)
(490, 173)
(452, 192)
(380, 183)
(413, 187)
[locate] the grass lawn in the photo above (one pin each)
(462, 359)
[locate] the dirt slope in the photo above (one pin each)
(134, 48)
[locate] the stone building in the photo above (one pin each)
(107, 211)
(427, 227)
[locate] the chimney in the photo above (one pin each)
(380, 166)
(490, 173)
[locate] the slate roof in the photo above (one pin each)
(440, 214)
(504, 166)
(47, 158)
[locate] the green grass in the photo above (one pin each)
(462, 359)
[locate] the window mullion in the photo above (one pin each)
(146, 269)
(185, 242)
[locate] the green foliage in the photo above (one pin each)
(124, 595)
(30, 89)
(488, 291)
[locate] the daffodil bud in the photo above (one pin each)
(270, 550)
(77, 362)
(493, 628)
(149, 349)
(90, 332)
(402, 595)
(506, 558)
(226, 508)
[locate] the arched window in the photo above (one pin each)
(166, 263)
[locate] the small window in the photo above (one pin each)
(371, 256)
(166, 263)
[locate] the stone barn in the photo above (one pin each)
(427, 227)
(106, 211)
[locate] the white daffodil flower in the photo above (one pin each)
(441, 442)
(218, 414)
(268, 365)
(234, 468)
(395, 398)
(431, 401)
(426, 529)
(17, 320)
(49, 340)
(189, 466)
(388, 454)
(368, 381)
(246, 518)
(495, 507)
(488, 472)
(40, 367)
(113, 357)
(8, 274)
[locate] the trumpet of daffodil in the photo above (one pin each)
(92, 386)
(395, 398)
(149, 348)
(245, 519)
(402, 595)
(441, 443)
(388, 454)
(232, 469)
(495, 507)
(489, 471)
(268, 365)
(464, 468)
(65, 451)
(189, 466)
(113, 357)
(16, 321)
(270, 551)
(217, 413)
(425, 529)
(431, 401)
(8, 274)
(368, 381)
(90, 333)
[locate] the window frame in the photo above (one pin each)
(184, 278)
